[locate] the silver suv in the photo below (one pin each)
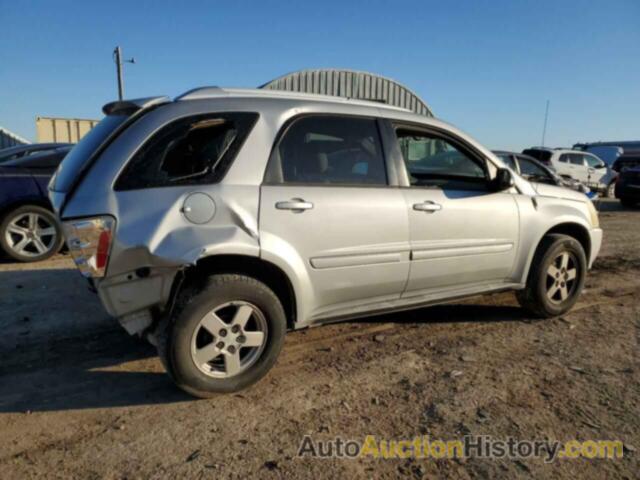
(213, 223)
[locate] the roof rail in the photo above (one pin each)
(199, 92)
(213, 92)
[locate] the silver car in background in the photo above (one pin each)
(536, 172)
(577, 165)
(214, 222)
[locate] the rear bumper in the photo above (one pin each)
(128, 293)
(596, 243)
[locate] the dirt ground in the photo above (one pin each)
(79, 398)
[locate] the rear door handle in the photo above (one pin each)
(295, 204)
(427, 206)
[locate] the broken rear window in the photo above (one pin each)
(193, 150)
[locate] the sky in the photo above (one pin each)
(487, 67)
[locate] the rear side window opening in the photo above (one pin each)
(195, 150)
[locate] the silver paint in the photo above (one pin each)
(347, 251)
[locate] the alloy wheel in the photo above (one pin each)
(30, 234)
(562, 277)
(229, 339)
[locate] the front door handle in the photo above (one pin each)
(427, 206)
(295, 204)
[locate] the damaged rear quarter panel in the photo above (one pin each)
(151, 230)
(152, 221)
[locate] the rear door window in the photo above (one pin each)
(576, 159)
(193, 150)
(329, 150)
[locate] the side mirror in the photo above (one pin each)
(503, 181)
(601, 165)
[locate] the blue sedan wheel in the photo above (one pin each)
(30, 234)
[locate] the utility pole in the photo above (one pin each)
(544, 128)
(117, 57)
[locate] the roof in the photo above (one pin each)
(351, 84)
(621, 143)
(546, 149)
(552, 150)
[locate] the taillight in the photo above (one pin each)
(89, 241)
(102, 255)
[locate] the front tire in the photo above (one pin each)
(626, 202)
(30, 234)
(225, 337)
(556, 277)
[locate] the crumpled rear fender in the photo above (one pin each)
(154, 240)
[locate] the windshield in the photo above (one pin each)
(78, 157)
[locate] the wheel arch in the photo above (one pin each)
(571, 229)
(266, 272)
(575, 230)
(9, 207)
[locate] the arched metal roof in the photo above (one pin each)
(351, 84)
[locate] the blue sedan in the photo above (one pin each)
(29, 230)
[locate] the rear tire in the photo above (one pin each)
(626, 202)
(610, 192)
(224, 337)
(30, 234)
(556, 277)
